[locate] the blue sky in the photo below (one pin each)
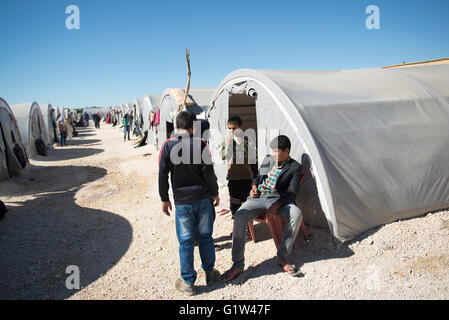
(126, 49)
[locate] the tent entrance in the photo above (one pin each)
(244, 106)
(170, 129)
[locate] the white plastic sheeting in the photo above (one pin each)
(31, 125)
(169, 107)
(378, 139)
(10, 140)
(150, 103)
(49, 115)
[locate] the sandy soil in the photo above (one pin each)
(95, 205)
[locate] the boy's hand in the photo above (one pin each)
(165, 207)
(254, 193)
(215, 201)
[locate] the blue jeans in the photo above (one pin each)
(63, 139)
(197, 216)
(253, 208)
(126, 131)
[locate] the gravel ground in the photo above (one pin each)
(95, 205)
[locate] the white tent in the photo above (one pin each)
(197, 102)
(11, 145)
(123, 108)
(377, 139)
(150, 105)
(139, 112)
(48, 113)
(31, 125)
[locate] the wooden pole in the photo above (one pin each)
(189, 74)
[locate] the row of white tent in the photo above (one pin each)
(374, 142)
(22, 128)
(167, 104)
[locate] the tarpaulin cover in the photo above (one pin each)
(378, 139)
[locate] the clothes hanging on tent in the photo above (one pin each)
(157, 117)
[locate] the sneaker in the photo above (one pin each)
(212, 277)
(184, 287)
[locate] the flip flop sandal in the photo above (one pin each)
(291, 270)
(222, 212)
(231, 275)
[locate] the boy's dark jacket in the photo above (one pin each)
(287, 184)
(190, 180)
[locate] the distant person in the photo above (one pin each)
(273, 191)
(86, 119)
(97, 119)
(195, 192)
(62, 126)
(131, 119)
(126, 126)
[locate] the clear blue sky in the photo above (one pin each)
(125, 49)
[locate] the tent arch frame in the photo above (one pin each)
(282, 100)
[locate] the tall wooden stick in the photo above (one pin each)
(189, 74)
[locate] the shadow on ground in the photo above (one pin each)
(71, 153)
(321, 247)
(42, 236)
(76, 148)
(40, 179)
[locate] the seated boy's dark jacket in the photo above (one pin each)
(288, 182)
(191, 180)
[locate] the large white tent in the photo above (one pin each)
(377, 139)
(48, 113)
(31, 125)
(197, 102)
(139, 116)
(150, 105)
(12, 151)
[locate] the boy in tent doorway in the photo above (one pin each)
(242, 164)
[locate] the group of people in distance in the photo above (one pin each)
(270, 190)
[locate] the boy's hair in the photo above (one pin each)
(184, 120)
(281, 142)
(236, 120)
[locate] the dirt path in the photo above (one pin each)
(95, 205)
